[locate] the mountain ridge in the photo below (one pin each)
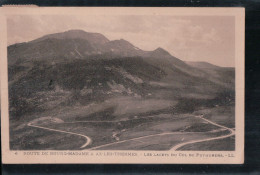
(97, 44)
(95, 38)
(104, 43)
(78, 44)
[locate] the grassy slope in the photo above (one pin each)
(78, 90)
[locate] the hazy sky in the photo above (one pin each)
(208, 38)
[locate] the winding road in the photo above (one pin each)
(88, 139)
(137, 138)
(231, 133)
(174, 148)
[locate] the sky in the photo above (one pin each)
(189, 38)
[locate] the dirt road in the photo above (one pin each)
(232, 132)
(138, 138)
(88, 139)
(174, 148)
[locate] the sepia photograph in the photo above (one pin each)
(123, 82)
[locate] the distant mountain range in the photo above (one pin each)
(89, 67)
(78, 44)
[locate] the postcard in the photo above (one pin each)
(113, 85)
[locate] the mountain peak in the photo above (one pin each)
(94, 38)
(121, 43)
(81, 32)
(77, 30)
(161, 51)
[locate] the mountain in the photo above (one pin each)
(78, 44)
(78, 68)
(224, 75)
(93, 38)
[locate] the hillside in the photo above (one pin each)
(221, 74)
(87, 66)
